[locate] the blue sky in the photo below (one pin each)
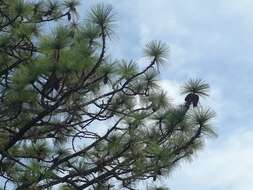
(211, 40)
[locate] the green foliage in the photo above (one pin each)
(71, 5)
(202, 117)
(90, 32)
(58, 40)
(157, 50)
(127, 70)
(20, 8)
(102, 16)
(196, 86)
(72, 117)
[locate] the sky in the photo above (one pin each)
(212, 40)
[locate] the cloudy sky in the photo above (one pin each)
(210, 39)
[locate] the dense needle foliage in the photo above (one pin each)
(73, 118)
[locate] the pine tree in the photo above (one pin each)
(73, 118)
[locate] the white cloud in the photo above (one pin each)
(172, 88)
(225, 165)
